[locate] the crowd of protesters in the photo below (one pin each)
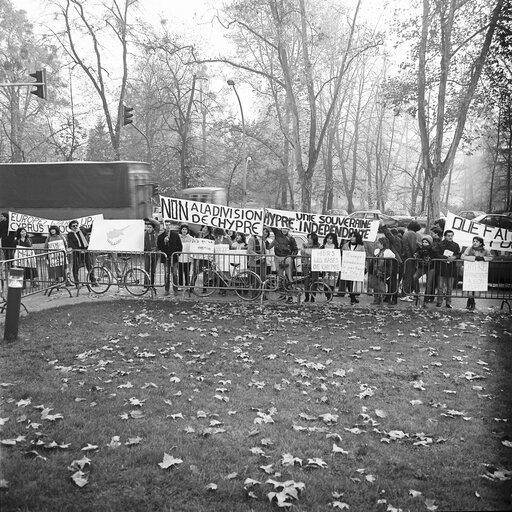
(396, 265)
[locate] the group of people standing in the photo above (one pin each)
(434, 256)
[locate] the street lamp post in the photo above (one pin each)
(244, 149)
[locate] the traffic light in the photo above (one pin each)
(127, 115)
(40, 83)
(156, 189)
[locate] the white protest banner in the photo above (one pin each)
(25, 257)
(117, 235)
(498, 239)
(352, 265)
(242, 220)
(476, 276)
(56, 259)
(305, 223)
(39, 225)
(201, 246)
(326, 260)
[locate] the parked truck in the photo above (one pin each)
(68, 190)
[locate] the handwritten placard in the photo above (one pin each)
(353, 265)
(326, 260)
(476, 276)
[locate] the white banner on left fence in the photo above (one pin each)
(116, 235)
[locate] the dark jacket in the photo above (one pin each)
(447, 269)
(171, 247)
(284, 245)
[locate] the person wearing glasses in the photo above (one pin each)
(78, 242)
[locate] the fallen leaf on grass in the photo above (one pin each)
(337, 449)
(414, 494)
(80, 478)
(79, 464)
(289, 460)
(114, 442)
(169, 461)
(211, 487)
(4, 484)
(340, 504)
(316, 463)
(89, 447)
(429, 504)
(133, 441)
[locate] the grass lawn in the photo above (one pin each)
(153, 406)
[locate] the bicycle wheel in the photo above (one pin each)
(323, 292)
(100, 280)
(247, 285)
(205, 282)
(273, 288)
(136, 281)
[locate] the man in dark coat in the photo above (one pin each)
(7, 238)
(448, 251)
(78, 241)
(169, 242)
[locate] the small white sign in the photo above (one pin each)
(353, 265)
(476, 276)
(326, 260)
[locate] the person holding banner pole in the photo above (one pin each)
(169, 243)
(477, 252)
(285, 247)
(78, 242)
(57, 262)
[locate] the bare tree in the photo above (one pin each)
(84, 28)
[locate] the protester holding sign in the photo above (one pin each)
(355, 243)
(169, 242)
(330, 242)
(56, 262)
(185, 259)
(28, 263)
(477, 252)
(448, 251)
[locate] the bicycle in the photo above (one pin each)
(107, 269)
(206, 280)
(279, 287)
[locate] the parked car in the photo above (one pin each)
(496, 220)
(389, 221)
(337, 211)
(470, 214)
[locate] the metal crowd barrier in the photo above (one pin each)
(43, 271)
(247, 276)
(427, 280)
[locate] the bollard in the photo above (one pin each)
(12, 312)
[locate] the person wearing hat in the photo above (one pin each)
(477, 252)
(78, 242)
(424, 255)
(151, 229)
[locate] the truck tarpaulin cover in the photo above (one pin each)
(64, 185)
